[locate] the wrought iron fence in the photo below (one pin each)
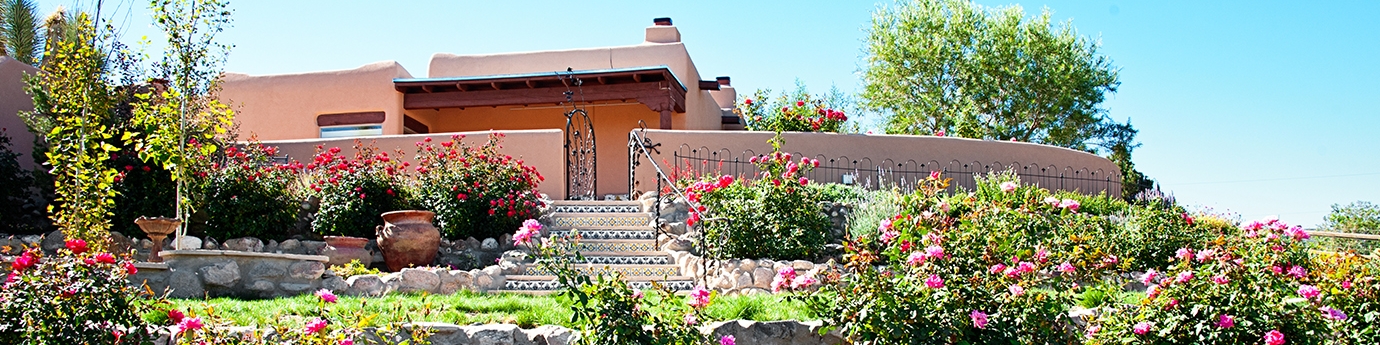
(886, 173)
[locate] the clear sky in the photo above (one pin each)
(1257, 107)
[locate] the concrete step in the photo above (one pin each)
(625, 270)
(548, 284)
(580, 206)
(620, 221)
(608, 234)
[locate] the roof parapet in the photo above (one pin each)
(662, 31)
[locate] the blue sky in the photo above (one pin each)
(1260, 108)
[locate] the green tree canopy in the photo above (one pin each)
(956, 67)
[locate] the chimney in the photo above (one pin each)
(723, 81)
(662, 31)
(726, 96)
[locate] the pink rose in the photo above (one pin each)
(699, 297)
(1142, 327)
(316, 325)
(1016, 290)
(979, 319)
(1008, 186)
(934, 282)
(1226, 321)
(1274, 337)
(1309, 291)
(1066, 267)
(915, 259)
(326, 296)
(77, 246)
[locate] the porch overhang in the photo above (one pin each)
(656, 87)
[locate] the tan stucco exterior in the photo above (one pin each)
(13, 100)
(285, 106)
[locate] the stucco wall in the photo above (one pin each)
(285, 106)
(917, 155)
(13, 99)
(540, 149)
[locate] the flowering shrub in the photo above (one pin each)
(75, 297)
(142, 190)
(474, 190)
(798, 112)
(322, 325)
(247, 194)
(607, 310)
(355, 191)
(1260, 287)
(777, 206)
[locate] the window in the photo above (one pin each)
(351, 131)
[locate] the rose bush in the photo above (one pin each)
(474, 190)
(354, 191)
(796, 112)
(74, 297)
(779, 205)
(246, 193)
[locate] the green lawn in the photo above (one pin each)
(462, 308)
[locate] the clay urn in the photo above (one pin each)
(343, 249)
(157, 229)
(407, 238)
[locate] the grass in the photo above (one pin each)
(461, 308)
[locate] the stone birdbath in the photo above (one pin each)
(157, 228)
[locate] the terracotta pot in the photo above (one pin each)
(407, 238)
(157, 229)
(343, 249)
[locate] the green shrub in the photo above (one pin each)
(776, 216)
(355, 191)
(142, 190)
(474, 190)
(247, 194)
(19, 214)
(1358, 217)
(74, 297)
(870, 210)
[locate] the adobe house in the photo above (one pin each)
(653, 83)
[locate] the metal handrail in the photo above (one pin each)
(639, 143)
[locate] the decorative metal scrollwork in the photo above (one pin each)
(581, 165)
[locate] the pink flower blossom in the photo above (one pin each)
(130, 269)
(1205, 255)
(1149, 277)
(979, 319)
(915, 259)
(1152, 291)
(934, 282)
(1276, 269)
(24, 261)
(175, 316)
(637, 294)
(804, 181)
(1298, 272)
(326, 296)
(1183, 254)
(346, 342)
(105, 258)
(1025, 267)
(996, 269)
(1041, 255)
(803, 282)
(1142, 327)
(1008, 186)
(933, 237)
(1297, 233)
(1052, 201)
(1346, 284)
(935, 252)
(1016, 290)
(316, 325)
(1274, 337)
(1173, 303)
(189, 324)
(727, 340)
(1184, 277)
(1309, 291)
(1069, 204)
(934, 175)
(1066, 268)
(690, 319)
(1092, 330)
(1188, 219)
(1226, 321)
(77, 246)
(699, 297)
(530, 228)
(889, 235)
(1110, 260)
(1220, 279)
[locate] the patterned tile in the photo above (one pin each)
(609, 234)
(617, 246)
(629, 271)
(628, 260)
(615, 208)
(548, 285)
(601, 221)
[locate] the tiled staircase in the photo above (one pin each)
(616, 236)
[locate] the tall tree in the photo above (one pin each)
(20, 30)
(952, 66)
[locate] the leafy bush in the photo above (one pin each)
(1256, 287)
(606, 309)
(474, 190)
(778, 206)
(247, 194)
(142, 190)
(355, 191)
(794, 112)
(19, 214)
(74, 297)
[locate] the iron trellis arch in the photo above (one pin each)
(581, 165)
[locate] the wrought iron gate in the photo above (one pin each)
(580, 164)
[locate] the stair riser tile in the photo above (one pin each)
(609, 270)
(549, 285)
(600, 221)
(609, 234)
